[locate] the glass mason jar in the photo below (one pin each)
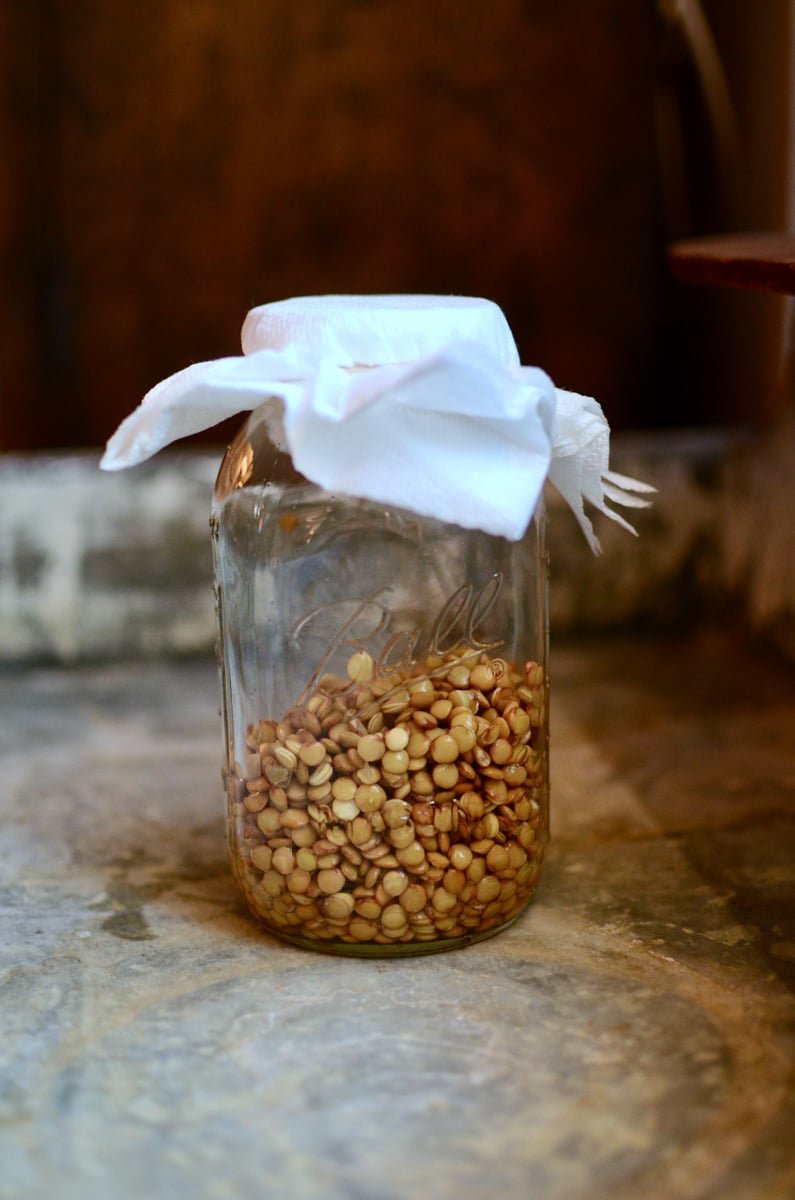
(385, 711)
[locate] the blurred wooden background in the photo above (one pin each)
(170, 163)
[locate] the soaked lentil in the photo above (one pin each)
(395, 811)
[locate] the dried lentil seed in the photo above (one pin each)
(417, 745)
(518, 720)
(261, 784)
(395, 703)
(362, 930)
(414, 898)
(422, 694)
(495, 791)
(498, 859)
(509, 890)
(255, 802)
(454, 881)
(501, 751)
(401, 836)
(411, 855)
(306, 860)
(330, 880)
(476, 870)
(395, 762)
(445, 775)
(397, 739)
(313, 754)
(294, 818)
(298, 880)
(393, 917)
(343, 788)
(424, 720)
(372, 877)
(342, 764)
(489, 826)
(396, 813)
(272, 883)
(526, 837)
(459, 676)
(443, 901)
(268, 821)
(345, 810)
(361, 831)
(422, 812)
(370, 797)
(395, 882)
(283, 860)
(482, 677)
(360, 667)
(371, 747)
(352, 854)
(369, 908)
(464, 737)
(376, 722)
(422, 784)
(445, 748)
(303, 836)
(471, 803)
(376, 853)
(492, 810)
(460, 856)
(285, 758)
(261, 857)
(517, 856)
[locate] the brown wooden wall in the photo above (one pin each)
(170, 163)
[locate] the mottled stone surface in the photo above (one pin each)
(632, 1035)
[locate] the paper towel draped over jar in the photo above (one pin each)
(414, 401)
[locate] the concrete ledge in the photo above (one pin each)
(114, 566)
(96, 565)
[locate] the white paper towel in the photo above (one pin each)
(414, 401)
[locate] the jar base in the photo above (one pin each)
(393, 950)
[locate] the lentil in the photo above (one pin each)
(393, 917)
(420, 820)
(312, 755)
(397, 739)
(395, 762)
(371, 747)
(445, 775)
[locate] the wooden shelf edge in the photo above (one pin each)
(755, 261)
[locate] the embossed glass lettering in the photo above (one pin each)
(457, 623)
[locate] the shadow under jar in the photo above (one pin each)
(385, 702)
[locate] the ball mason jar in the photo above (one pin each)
(385, 702)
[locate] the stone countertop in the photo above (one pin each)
(633, 1035)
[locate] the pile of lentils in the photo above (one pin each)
(399, 810)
